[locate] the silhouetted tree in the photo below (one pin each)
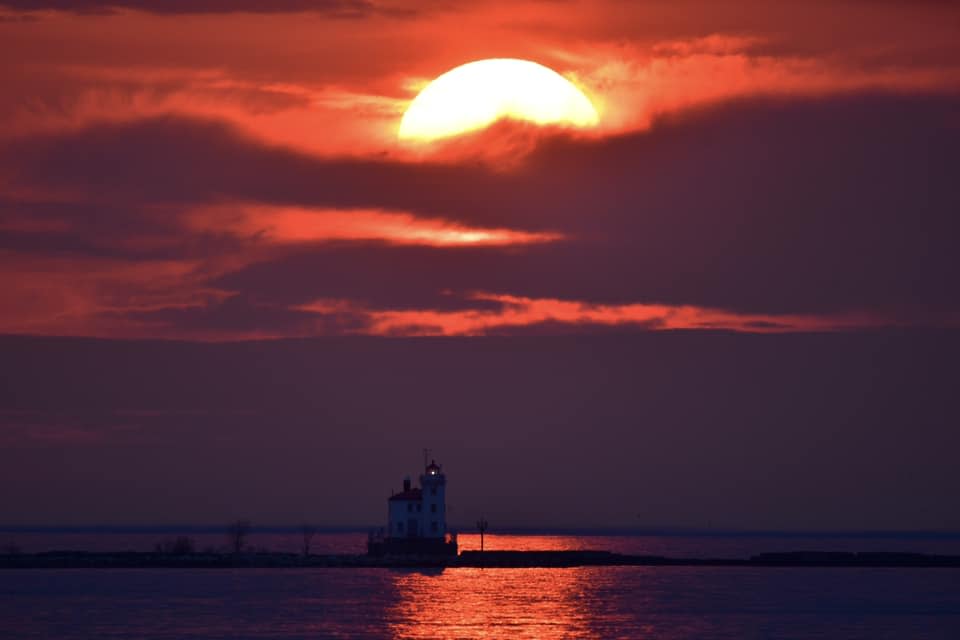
(237, 533)
(308, 531)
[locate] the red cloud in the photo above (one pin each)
(290, 225)
(517, 312)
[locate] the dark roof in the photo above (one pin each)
(410, 494)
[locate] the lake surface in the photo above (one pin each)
(587, 602)
(594, 602)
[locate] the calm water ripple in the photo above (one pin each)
(594, 602)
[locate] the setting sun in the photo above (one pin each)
(478, 93)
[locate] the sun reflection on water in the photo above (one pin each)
(509, 542)
(477, 603)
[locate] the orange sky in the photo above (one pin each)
(329, 86)
(339, 86)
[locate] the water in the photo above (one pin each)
(613, 602)
(586, 602)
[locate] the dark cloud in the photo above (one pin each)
(241, 315)
(332, 8)
(386, 277)
(176, 160)
(828, 205)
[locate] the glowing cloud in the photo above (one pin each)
(301, 225)
(518, 312)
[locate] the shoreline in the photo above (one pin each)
(467, 559)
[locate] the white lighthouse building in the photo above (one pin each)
(417, 518)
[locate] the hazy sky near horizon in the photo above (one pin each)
(675, 429)
(769, 200)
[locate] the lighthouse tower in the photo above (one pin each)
(417, 518)
(433, 489)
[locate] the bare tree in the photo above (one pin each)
(237, 533)
(308, 531)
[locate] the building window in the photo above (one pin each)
(399, 526)
(433, 491)
(418, 507)
(433, 508)
(410, 507)
(433, 527)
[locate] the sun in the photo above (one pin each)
(474, 95)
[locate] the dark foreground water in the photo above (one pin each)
(595, 602)
(608, 602)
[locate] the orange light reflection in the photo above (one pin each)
(509, 542)
(500, 603)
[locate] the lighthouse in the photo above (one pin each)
(417, 518)
(434, 486)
